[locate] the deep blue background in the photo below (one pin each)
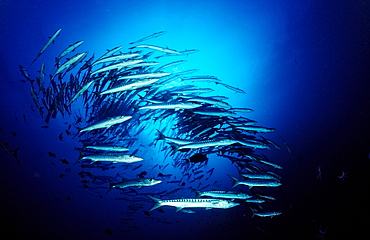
(305, 68)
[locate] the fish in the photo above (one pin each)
(154, 35)
(130, 86)
(106, 123)
(223, 194)
(193, 203)
(197, 158)
(117, 66)
(137, 182)
(115, 58)
(265, 214)
(81, 91)
(207, 143)
(110, 148)
(112, 157)
(170, 105)
(157, 48)
(73, 60)
(258, 176)
(145, 75)
(51, 39)
(255, 182)
(69, 49)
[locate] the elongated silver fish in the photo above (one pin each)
(112, 157)
(71, 61)
(171, 105)
(157, 48)
(107, 148)
(208, 143)
(106, 123)
(51, 39)
(136, 182)
(193, 203)
(145, 75)
(130, 86)
(69, 49)
(115, 58)
(81, 91)
(256, 182)
(223, 194)
(116, 66)
(154, 35)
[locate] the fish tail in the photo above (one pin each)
(156, 203)
(111, 184)
(161, 136)
(236, 181)
(197, 192)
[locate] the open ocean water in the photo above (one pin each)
(275, 90)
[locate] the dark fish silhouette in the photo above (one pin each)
(197, 158)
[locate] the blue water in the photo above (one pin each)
(304, 66)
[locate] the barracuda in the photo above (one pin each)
(174, 105)
(51, 39)
(256, 182)
(130, 86)
(115, 58)
(108, 148)
(71, 61)
(117, 66)
(223, 194)
(193, 203)
(106, 123)
(208, 143)
(137, 182)
(112, 157)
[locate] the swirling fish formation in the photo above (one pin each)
(122, 95)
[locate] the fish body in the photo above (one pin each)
(145, 75)
(107, 148)
(154, 35)
(136, 182)
(207, 143)
(130, 86)
(157, 48)
(76, 58)
(69, 49)
(256, 182)
(51, 39)
(171, 105)
(112, 157)
(116, 66)
(223, 194)
(106, 123)
(193, 203)
(115, 58)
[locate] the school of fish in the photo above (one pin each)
(127, 104)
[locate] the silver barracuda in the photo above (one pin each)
(157, 48)
(136, 182)
(107, 148)
(117, 66)
(51, 39)
(115, 58)
(71, 61)
(256, 129)
(193, 203)
(223, 194)
(81, 91)
(112, 157)
(207, 143)
(106, 123)
(145, 75)
(174, 140)
(130, 86)
(154, 35)
(256, 182)
(171, 105)
(69, 49)
(258, 176)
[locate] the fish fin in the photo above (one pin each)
(178, 209)
(156, 203)
(161, 136)
(208, 208)
(111, 184)
(236, 181)
(197, 192)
